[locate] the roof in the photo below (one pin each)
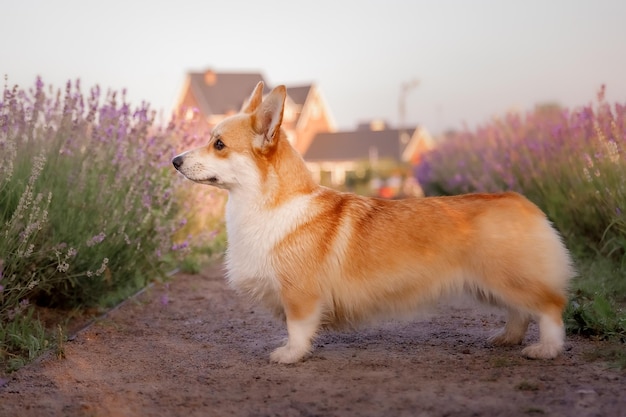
(299, 94)
(221, 93)
(356, 145)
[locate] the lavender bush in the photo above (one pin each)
(572, 163)
(86, 208)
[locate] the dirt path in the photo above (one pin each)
(194, 348)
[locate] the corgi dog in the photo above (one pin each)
(322, 258)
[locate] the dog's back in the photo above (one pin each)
(369, 256)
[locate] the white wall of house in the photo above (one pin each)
(337, 170)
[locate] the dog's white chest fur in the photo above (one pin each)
(253, 233)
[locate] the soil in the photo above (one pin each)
(193, 347)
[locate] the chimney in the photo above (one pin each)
(375, 125)
(210, 77)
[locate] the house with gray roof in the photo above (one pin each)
(333, 155)
(215, 95)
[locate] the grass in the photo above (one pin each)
(613, 353)
(534, 411)
(527, 386)
(21, 340)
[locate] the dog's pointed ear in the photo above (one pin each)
(269, 116)
(250, 105)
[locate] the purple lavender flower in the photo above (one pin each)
(165, 299)
(180, 246)
(96, 239)
(146, 201)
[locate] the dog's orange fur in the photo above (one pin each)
(320, 257)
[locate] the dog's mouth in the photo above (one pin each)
(211, 181)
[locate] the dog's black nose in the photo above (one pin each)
(177, 161)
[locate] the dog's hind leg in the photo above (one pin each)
(303, 322)
(514, 331)
(547, 305)
(551, 335)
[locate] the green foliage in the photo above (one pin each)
(613, 353)
(205, 251)
(21, 339)
(595, 315)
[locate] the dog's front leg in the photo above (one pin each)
(303, 320)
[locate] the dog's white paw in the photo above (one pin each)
(288, 354)
(542, 351)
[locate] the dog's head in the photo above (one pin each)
(238, 145)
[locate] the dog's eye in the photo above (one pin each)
(219, 145)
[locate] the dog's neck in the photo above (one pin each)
(283, 176)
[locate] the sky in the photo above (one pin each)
(471, 60)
